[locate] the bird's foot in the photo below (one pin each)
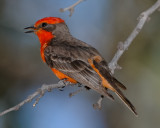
(63, 82)
(79, 85)
(87, 88)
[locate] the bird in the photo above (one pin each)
(73, 60)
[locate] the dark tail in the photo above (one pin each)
(119, 84)
(104, 71)
(126, 101)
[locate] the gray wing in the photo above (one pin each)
(73, 62)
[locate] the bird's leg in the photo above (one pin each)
(87, 88)
(61, 88)
(79, 85)
(98, 105)
(64, 82)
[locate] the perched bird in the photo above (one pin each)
(73, 60)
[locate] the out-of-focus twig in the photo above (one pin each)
(144, 16)
(71, 8)
(98, 105)
(39, 92)
(76, 92)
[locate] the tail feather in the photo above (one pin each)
(126, 101)
(119, 84)
(102, 70)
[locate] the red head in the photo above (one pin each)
(46, 29)
(48, 20)
(43, 28)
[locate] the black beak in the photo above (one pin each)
(31, 29)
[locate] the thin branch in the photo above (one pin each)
(98, 105)
(144, 16)
(39, 92)
(76, 92)
(71, 8)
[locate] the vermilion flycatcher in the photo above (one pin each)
(72, 59)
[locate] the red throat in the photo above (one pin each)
(44, 38)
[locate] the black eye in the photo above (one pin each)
(44, 24)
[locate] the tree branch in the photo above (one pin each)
(39, 92)
(71, 8)
(122, 47)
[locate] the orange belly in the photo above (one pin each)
(62, 76)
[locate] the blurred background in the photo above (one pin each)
(101, 23)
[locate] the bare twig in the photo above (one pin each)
(71, 8)
(144, 16)
(39, 92)
(76, 92)
(98, 105)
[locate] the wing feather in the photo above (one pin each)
(73, 62)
